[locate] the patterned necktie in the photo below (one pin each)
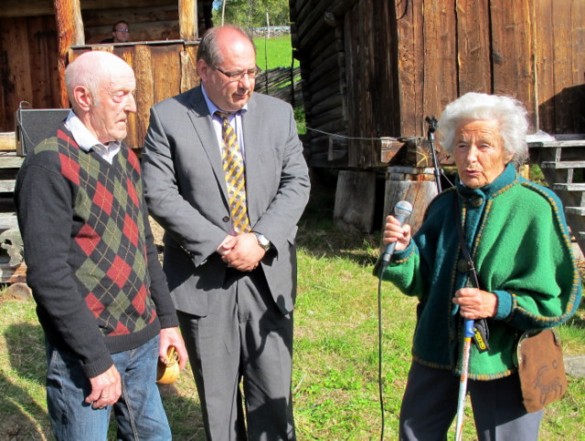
(235, 178)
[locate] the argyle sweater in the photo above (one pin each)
(519, 241)
(91, 261)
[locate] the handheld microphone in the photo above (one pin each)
(402, 210)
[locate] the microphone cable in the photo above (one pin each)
(380, 380)
(402, 210)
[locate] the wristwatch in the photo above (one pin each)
(262, 241)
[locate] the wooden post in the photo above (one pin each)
(70, 33)
(188, 20)
(413, 184)
(355, 200)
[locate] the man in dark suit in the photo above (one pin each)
(229, 253)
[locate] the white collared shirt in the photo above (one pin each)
(86, 141)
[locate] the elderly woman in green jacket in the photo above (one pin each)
(518, 238)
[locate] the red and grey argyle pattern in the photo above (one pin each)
(110, 248)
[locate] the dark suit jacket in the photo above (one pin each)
(186, 193)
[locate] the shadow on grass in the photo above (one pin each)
(183, 412)
(321, 238)
(329, 241)
(578, 320)
(20, 416)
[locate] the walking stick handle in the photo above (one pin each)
(468, 328)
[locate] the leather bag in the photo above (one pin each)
(541, 368)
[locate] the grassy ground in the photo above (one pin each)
(335, 385)
(274, 52)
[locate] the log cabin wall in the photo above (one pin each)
(28, 65)
(29, 51)
(163, 69)
(148, 20)
(377, 68)
(157, 22)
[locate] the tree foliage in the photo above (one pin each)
(252, 13)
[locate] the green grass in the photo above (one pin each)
(274, 52)
(335, 388)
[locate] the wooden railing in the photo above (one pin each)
(282, 82)
(563, 165)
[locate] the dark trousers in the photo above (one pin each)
(241, 354)
(429, 407)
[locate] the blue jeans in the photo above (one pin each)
(139, 412)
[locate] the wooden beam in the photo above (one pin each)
(389, 147)
(8, 141)
(70, 33)
(26, 8)
(32, 8)
(188, 20)
(473, 46)
(512, 51)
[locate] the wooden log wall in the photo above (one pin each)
(33, 55)
(373, 68)
(162, 69)
(320, 48)
(28, 66)
(371, 78)
(145, 24)
(148, 20)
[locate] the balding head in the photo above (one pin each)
(227, 67)
(100, 87)
(90, 69)
(219, 39)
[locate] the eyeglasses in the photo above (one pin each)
(122, 30)
(239, 75)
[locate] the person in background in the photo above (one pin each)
(516, 232)
(102, 298)
(225, 176)
(120, 33)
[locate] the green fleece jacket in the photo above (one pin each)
(519, 240)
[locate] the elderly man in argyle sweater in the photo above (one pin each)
(102, 298)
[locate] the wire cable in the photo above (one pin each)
(356, 138)
(380, 380)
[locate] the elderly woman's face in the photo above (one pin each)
(479, 152)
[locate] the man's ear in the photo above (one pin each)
(202, 69)
(82, 97)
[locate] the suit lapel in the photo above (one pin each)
(199, 115)
(255, 173)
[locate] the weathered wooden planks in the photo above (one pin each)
(353, 207)
(157, 22)
(473, 43)
(402, 61)
(162, 69)
(7, 141)
(36, 37)
(413, 184)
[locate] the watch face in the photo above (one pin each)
(263, 242)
